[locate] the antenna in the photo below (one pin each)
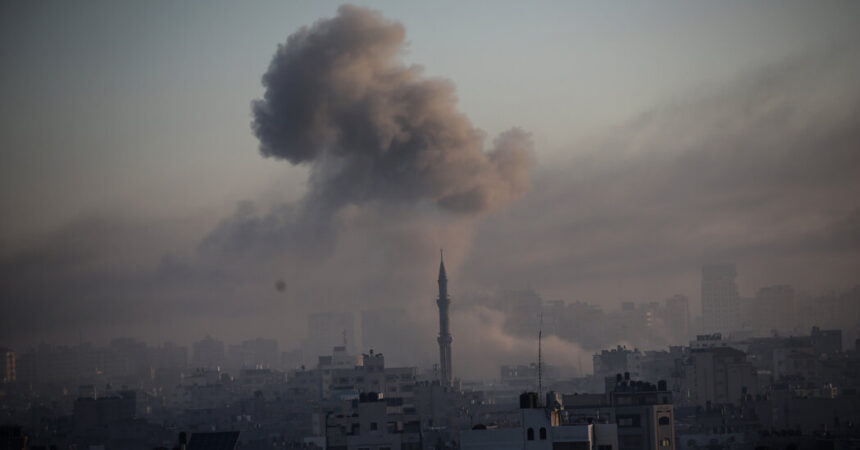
(540, 361)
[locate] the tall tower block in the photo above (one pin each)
(720, 298)
(445, 371)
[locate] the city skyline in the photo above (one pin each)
(221, 224)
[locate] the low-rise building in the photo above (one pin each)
(372, 422)
(540, 428)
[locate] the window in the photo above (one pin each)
(664, 420)
(628, 421)
(624, 401)
(373, 426)
(664, 442)
(542, 433)
(604, 447)
(530, 434)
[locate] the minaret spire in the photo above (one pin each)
(445, 371)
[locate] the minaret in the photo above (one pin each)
(445, 372)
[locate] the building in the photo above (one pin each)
(132, 356)
(826, 342)
(717, 375)
(661, 364)
(92, 413)
(169, 356)
(720, 298)
(628, 415)
(642, 412)
(676, 318)
(797, 363)
(445, 369)
(525, 377)
(607, 363)
(209, 353)
(540, 428)
(644, 416)
(773, 309)
(372, 422)
(343, 376)
(522, 308)
(7, 366)
(709, 341)
(256, 353)
(221, 440)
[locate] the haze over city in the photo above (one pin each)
(174, 172)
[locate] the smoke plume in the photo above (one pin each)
(339, 99)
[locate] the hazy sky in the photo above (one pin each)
(143, 106)
(664, 135)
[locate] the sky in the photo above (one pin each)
(605, 152)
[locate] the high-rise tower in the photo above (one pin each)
(720, 299)
(445, 372)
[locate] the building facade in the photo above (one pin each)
(720, 299)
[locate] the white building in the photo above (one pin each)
(541, 429)
(372, 423)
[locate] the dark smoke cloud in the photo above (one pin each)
(339, 99)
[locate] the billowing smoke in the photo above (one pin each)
(481, 344)
(339, 99)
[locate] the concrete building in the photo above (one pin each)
(704, 341)
(607, 363)
(209, 353)
(661, 364)
(525, 377)
(720, 298)
(795, 363)
(169, 356)
(641, 411)
(372, 422)
(344, 376)
(254, 354)
(826, 342)
(91, 413)
(676, 318)
(773, 309)
(644, 416)
(717, 375)
(540, 429)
